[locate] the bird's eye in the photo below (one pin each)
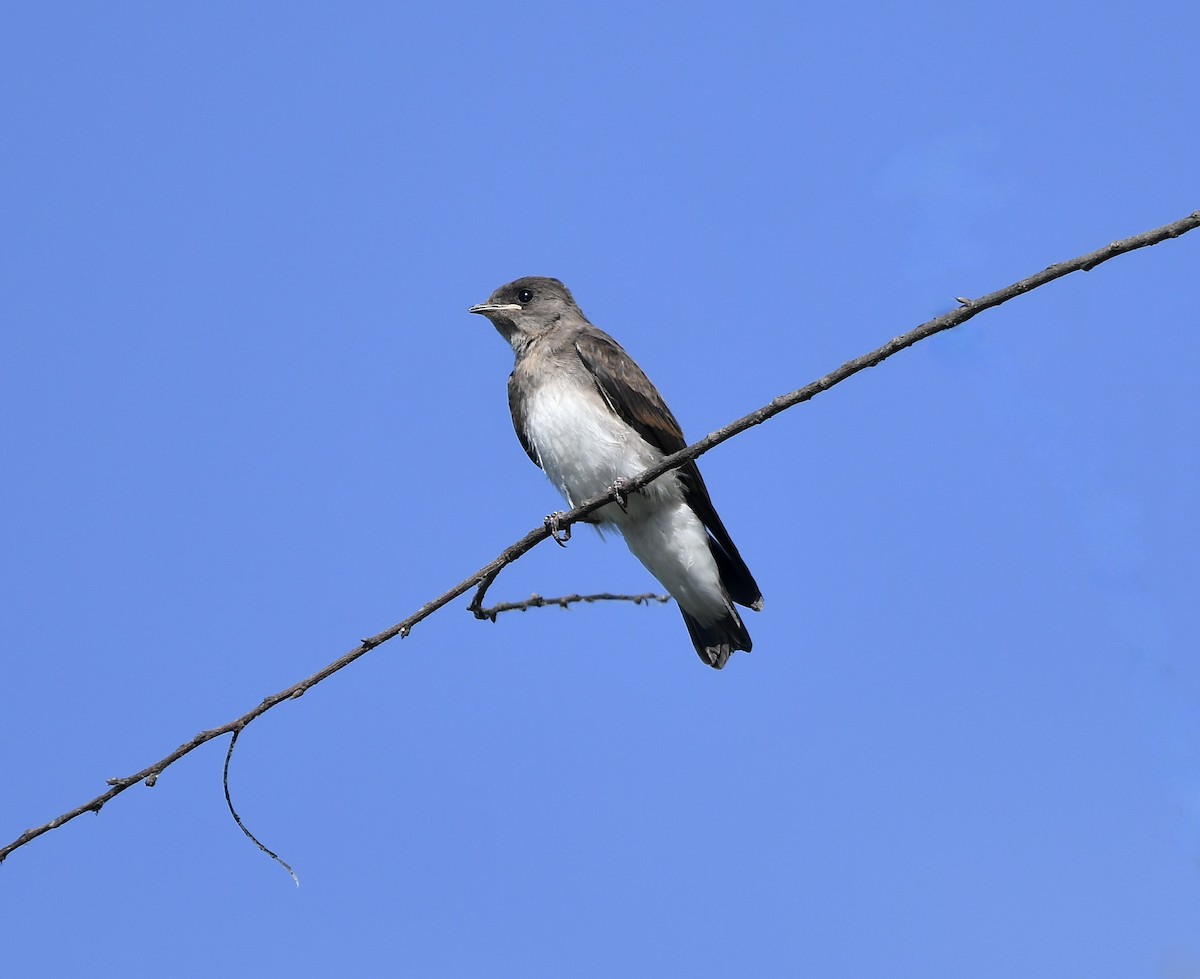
(524, 296)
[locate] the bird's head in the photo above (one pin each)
(527, 309)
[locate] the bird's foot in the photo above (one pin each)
(620, 492)
(560, 533)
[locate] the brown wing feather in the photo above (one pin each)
(517, 409)
(628, 391)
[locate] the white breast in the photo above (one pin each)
(581, 444)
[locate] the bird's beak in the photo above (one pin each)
(486, 308)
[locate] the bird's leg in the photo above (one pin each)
(620, 492)
(560, 533)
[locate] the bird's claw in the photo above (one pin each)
(560, 533)
(620, 492)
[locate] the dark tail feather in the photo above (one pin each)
(715, 642)
(735, 576)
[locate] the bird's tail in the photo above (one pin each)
(716, 641)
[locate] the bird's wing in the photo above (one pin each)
(629, 393)
(516, 408)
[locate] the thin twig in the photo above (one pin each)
(968, 308)
(238, 819)
(476, 606)
(537, 601)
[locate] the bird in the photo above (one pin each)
(588, 416)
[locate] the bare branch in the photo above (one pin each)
(485, 575)
(968, 308)
(537, 601)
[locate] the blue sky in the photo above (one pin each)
(247, 420)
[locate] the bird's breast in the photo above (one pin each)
(583, 445)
